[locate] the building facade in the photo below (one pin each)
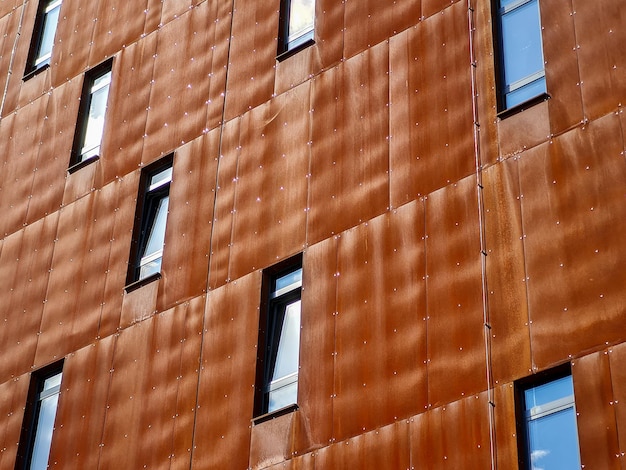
(297, 234)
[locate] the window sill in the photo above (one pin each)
(35, 71)
(294, 50)
(275, 414)
(142, 282)
(518, 108)
(77, 166)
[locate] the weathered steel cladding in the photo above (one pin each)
(361, 152)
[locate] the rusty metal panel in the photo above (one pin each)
(306, 462)
(272, 183)
(187, 235)
(597, 428)
(271, 442)
(574, 214)
(561, 65)
(9, 22)
(524, 130)
(254, 36)
(431, 118)
(25, 263)
(617, 356)
(122, 143)
(350, 144)
(426, 440)
(74, 35)
(381, 323)
(180, 90)
(456, 349)
(8, 6)
(227, 375)
(506, 276)
(369, 22)
(600, 36)
(82, 406)
(12, 400)
(505, 427)
(150, 390)
(219, 258)
(317, 344)
(430, 7)
(385, 448)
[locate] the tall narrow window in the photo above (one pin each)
(279, 338)
(90, 127)
(297, 23)
(549, 434)
(38, 425)
(43, 37)
(149, 234)
(522, 65)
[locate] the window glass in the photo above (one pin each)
(43, 436)
(156, 235)
(283, 397)
(161, 178)
(95, 118)
(289, 345)
(301, 19)
(50, 21)
(288, 279)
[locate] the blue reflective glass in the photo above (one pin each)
(549, 392)
(553, 441)
(43, 433)
(282, 397)
(50, 21)
(289, 279)
(156, 236)
(287, 356)
(526, 92)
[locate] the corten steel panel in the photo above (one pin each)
(573, 216)
(561, 65)
(272, 183)
(306, 462)
(153, 17)
(24, 266)
(119, 24)
(21, 135)
(49, 181)
(505, 427)
(466, 439)
(225, 204)
(595, 414)
(326, 52)
(485, 74)
(600, 36)
(430, 7)
(150, 388)
(126, 190)
(82, 406)
(426, 440)
(9, 24)
(431, 122)
(386, 448)
(172, 9)
(350, 145)
(380, 337)
(122, 143)
(139, 304)
(253, 45)
(187, 234)
(81, 182)
(227, 375)
(524, 130)
(456, 349)
(8, 6)
(271, 442)
(369, 22)
(617, 358)
(183, 68)
(80, 262)
(317, 344)
(506, 283)
(74, 35)
(12, 401)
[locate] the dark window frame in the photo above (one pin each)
(90, 77)
(285, 47)
(145, 212)
(36, 43)
(269, 334)
(31, 413)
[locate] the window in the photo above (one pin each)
(38, 425)
(522, 74)
(549, 436)
(279, 337)
(91, 116)
(153, 202)
(297, 21)
(43, 37)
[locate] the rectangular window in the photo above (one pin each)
(43, 37)
(548, 431)
(150, 221)
(38, 425)
(522, 74)
(297, 22)
(279, 337)
(90, 126)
